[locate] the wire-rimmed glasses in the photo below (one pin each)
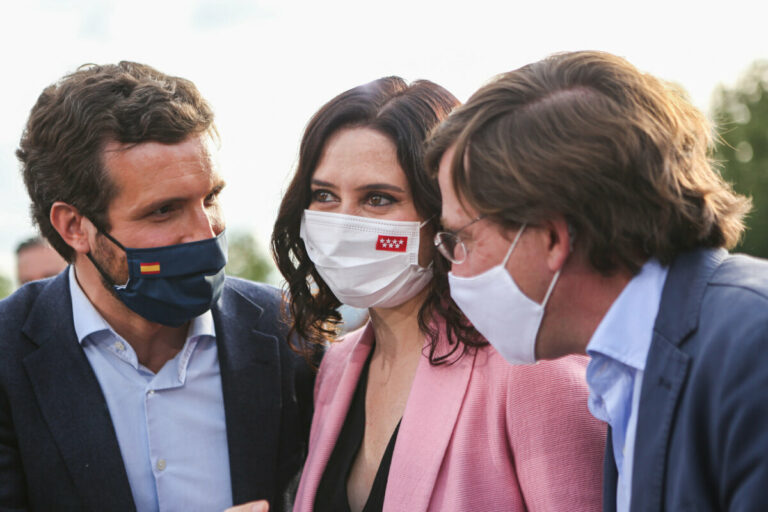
(450, 244)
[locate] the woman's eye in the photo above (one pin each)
(322, 196)
(380, 200)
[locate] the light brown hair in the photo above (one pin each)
(620, 154)
(62, 146)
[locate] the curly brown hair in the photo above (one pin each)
(405, 114)
(62, 146)
(623, 156)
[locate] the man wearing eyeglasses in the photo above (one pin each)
(583, 215)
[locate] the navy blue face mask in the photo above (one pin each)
(173, 284)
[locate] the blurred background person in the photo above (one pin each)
(415, 411)
(36, 259)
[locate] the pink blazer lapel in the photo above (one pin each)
(425, 432)
(340, 382)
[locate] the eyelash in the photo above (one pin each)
(316, 197)
(390, 200)
(317, 193)
(167, 207)
(210, 199)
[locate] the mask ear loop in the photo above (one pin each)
(431, 263)
(551, 287)
(111, 239)
(101, 270)
(571, 236)
(514, 244)
(107, 235)
(509, 253)
(426, 222)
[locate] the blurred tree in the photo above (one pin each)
(741, 115)
(6, 286)
(246, 259)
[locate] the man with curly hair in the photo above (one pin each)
(141, 377)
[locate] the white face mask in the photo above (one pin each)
(365, 262)
(500, 311)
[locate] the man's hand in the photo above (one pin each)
(253, 506)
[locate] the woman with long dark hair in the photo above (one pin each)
(415, 411)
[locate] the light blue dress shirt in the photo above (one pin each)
(170, 426)
(619, 348)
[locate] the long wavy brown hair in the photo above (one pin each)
(405, 113)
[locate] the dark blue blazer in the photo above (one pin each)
(58, 448)
(702, 430)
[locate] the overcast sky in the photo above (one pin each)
(266, 66)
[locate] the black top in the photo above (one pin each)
(332, 492)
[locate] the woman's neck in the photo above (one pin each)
(397, 331)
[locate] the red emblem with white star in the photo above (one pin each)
(392, 243)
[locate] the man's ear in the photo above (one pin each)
(72, 227)
(560, 242)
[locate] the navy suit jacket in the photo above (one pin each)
(702, 430)
(58, 448)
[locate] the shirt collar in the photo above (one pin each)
(89, 321)
(625, 332)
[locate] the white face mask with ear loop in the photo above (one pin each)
(366, 262)
(500, 311)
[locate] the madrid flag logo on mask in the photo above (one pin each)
(365, 262)
(392, 243)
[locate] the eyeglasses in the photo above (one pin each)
(451, 246)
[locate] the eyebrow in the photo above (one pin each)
(321, 183)
(161, 202)
(381, 186)
(216, 189)
(370, 186)
(465, 227)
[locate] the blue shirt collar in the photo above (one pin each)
(89, 321)
(626, 330)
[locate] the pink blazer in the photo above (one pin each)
(478, 435)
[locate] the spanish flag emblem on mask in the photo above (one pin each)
(150, 268)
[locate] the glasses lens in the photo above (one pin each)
(459, 252)
(451, 247)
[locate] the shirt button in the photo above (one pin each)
(160, 464)
(150, 392)
(119, 345)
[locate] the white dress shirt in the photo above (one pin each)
(619, 348)
(170, 425)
